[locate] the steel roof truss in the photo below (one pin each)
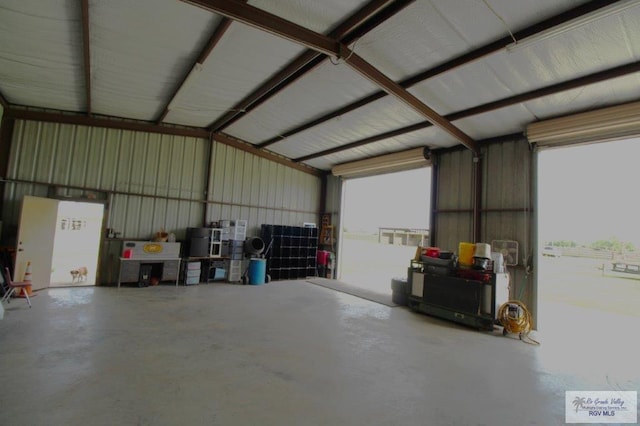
(215, 38)
(363, 20)
(594, 78)
(273, 24)
(451, 65)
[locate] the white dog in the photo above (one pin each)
(79, 275)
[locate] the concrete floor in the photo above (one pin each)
(284, 353)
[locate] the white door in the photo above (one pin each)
(36, 236)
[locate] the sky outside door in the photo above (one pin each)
(588, 210)
(77, 243)
(395, 200)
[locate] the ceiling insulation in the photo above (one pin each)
(400, 74)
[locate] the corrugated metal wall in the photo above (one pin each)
(506, 208)
(333, 206)
(454, 205)
(507, 205)
(155, 181)
(507, 199)
(246, 186)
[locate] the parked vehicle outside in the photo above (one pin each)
(551, 251)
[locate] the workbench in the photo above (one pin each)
(464, 297)
(164, 258)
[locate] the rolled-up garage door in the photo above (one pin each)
(395, 162)
(618, 122)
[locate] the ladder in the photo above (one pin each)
(326, 231)
(326, 235)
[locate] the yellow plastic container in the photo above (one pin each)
(465, 253)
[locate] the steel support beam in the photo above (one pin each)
(3, 101)
(477, 198)
(82, 120)
(143, 126)
(330, 116)
(247, 147)
(304, 62)
(450, 65)
(393, 88)
(362, 21)
(215, 38)
(324, 44)
(6, 140)
(594, 78)
(365, 141)
(265, 21)
(86, 53)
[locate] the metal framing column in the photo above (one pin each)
(477, 197)
(6, 140)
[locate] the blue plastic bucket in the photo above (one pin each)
(257, 271)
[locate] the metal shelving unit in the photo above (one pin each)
(292, 251)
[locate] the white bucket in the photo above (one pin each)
(483, 250)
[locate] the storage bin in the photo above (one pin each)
(192, 280)
(234, 229)
(233, 249)
(400, 291)
(193, 265)
(193, 273)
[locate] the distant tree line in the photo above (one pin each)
(612, 244)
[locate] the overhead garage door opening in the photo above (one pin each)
(384, 219)
(589, 238)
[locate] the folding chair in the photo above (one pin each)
(9, 287)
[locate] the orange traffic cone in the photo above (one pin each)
(26, 280)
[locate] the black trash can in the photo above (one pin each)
(400, 291)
